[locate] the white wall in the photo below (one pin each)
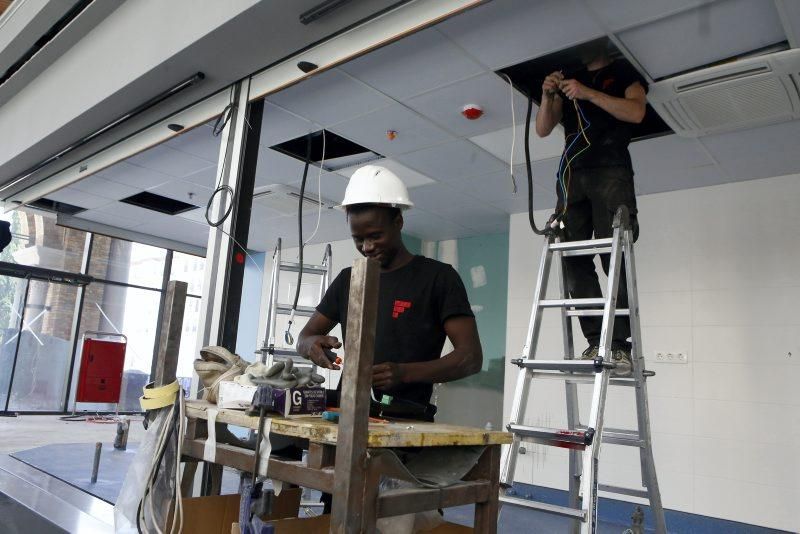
(719, 277)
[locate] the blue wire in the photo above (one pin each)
(560, 171)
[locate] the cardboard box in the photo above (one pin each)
(295, 402)
(321, 525)
(217, 514)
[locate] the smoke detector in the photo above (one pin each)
(472, 111)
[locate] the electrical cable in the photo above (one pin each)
(513, 135)
(288, 334)
(219, 126)
(567, 168)
(532, 222)
(319, 191)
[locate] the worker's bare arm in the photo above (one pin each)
(631, 108)
(465, 359)
(315, 344)
(550, 110)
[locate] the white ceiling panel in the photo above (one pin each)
(129, 211)
(279, 125)
(78, 198)
(498, 187)
(264, 232)
(506, 32)
(790, 17)
(331, 184)
(452, 162)
(493, 94)
(134, 176)
(667, 153)
(178, 229)
(413, 131)
(104, 188)
(410, 177)
(659, 181)
(330, 97)
(200, 142)
(431, 227)
(276, 168)
(543, 198)
(110, 219)
(169, 161)
(198, 215)
(498, 143)
(759, 152)
(707, 34)
(413, 65)
(207, 177)
(621, 14)
(184, 191)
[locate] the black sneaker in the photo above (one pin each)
(590, 353)
(623, 363)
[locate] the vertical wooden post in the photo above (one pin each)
(351, 475)
(488, 468)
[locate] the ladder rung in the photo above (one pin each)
(574, 303)
(642, 494)
(564, 511)
(553, 436)
(572, 378)
(584, 366)
(307, 269)
(595, 313)
(303, 311)
(619, 436)
(585, 252)
(604, 243)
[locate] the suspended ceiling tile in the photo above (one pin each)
(452, 162)
(757, 153)
(410, 177)
(200, 142)
(177, 229)
(198, 215)
(276, 168)
(703, 35)
(498, 143)
(667, 153)
(506, 32)
(78, 198)
(331, 184)
(680, 178)
(498, 186)
(110, 219)
(169, 161)
(418, 63)
(431, 227)
(455, 206)
(543, 198)
(621, 14)
(134, 176)
(104, 188)
(207, 178)
(413, 131)
(444, 105)
(790, 16)
(184, 191)
(330, 97)
(279, 125)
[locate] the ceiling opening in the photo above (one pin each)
(340, 153)
(528, 77)
(158, 203)
(55, 206)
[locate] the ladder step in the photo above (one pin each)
(571, 439)
(573, 303)
(307, 269)
(580, 366)
(583, 245)
(564, 511)
(642, 494)
(302, 311)
(573, 378)
(619, 436)
(595, 313)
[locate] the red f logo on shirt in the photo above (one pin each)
(399, 307)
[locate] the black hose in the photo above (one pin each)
(545, 230)
(300, 221)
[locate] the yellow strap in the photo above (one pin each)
(160, 397)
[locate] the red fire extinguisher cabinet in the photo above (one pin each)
(102, 365)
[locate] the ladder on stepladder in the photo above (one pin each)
(584, 441)
(270, 348)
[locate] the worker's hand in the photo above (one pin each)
(386, 375)
(551, 82)
(574, 90)
(319, 351)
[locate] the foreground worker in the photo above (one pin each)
(603, 102)
(420, 303)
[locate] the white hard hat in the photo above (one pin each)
(373, 184)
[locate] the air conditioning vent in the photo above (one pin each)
(283, 199)
(743, 94)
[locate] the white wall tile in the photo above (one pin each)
(760, 504)
(767, 345)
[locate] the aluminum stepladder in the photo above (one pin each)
(584, 441)
(269, 350)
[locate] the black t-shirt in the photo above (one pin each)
(414, 302)
(608, 135)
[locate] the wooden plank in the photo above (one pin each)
(171, 328)
(242, 459)
(412, 500)
(395, 434)
(351, 453)
(321, 455)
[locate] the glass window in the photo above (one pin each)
(45, 347)
(130, 311)
(12, 293)
(188, 268)
(37, 241)
(123, 261)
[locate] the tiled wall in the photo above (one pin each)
(719, 278)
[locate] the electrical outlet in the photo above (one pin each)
(672, 357)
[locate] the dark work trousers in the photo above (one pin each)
(593, 199)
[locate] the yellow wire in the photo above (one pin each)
(568, 167)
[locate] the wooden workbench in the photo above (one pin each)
(348, 459)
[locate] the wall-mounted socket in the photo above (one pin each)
(672, 357)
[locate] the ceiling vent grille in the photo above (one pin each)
(738, 95)
(283, 199)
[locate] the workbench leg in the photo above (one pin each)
(370, 505)
(215, 479)
(187, 479)
(488, 468)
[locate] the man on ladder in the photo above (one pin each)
(595, 176)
